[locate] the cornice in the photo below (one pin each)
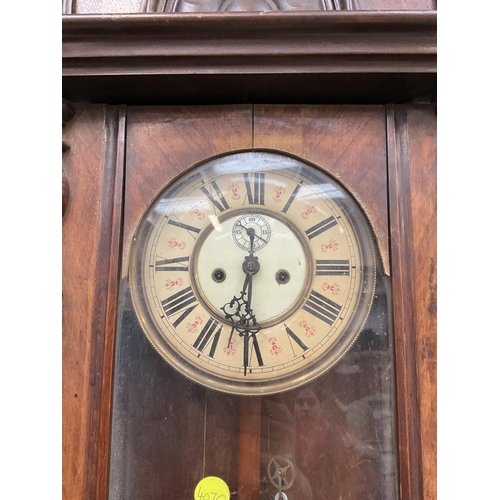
(238, 44)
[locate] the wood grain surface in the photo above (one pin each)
(90, 230)
(250, 43)
(422, 140)
(163, 142)
(403, 269)
(249, 457)
(115, 153)
(412, 193)
(346, 141)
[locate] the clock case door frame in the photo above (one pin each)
(410, 186)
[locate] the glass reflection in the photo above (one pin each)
(336, 434)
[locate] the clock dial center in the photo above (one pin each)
(279, 246)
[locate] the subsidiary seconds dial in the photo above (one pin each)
(260, 227)
(252, 273)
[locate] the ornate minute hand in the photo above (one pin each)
(239, 309)
(250, 266)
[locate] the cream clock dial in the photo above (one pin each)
(252, 273)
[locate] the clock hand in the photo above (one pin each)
(246, 323)
(238, 223)
(250, 266)
(231, 304)
(245, 354)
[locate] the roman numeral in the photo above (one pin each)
(187, 227)
(220, 197)
(206, 335)
(292, 197)
(332, 268)
(321, 227)
(295, 339)
(178, 302)
(165, 264)
(322, 308)
(256, 350)
(255, 197)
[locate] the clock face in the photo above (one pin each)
(252, 273)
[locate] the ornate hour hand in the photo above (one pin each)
(239, 309)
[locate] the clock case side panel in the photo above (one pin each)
(422, 134)
(90, 258)
(411, 141)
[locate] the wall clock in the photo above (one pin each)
(252, 273)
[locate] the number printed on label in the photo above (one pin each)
(211, 495)
(211, 488)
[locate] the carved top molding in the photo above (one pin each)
(242, 5)
(243, 43)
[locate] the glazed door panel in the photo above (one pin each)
(334, 437)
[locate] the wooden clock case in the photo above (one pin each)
(242, 80)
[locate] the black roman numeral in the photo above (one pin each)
(332, 268)
(220, 196)
(292, 197)
(296, 339)
(321, 227)
(322, 308)
(206, 335)
(255, 197)
(178, 302)
(187, 227)
(256, 350)
(166, 264)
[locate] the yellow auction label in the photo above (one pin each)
(211, 488)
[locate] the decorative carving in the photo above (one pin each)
(68, 112)
(243, 5)
(65, 192)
